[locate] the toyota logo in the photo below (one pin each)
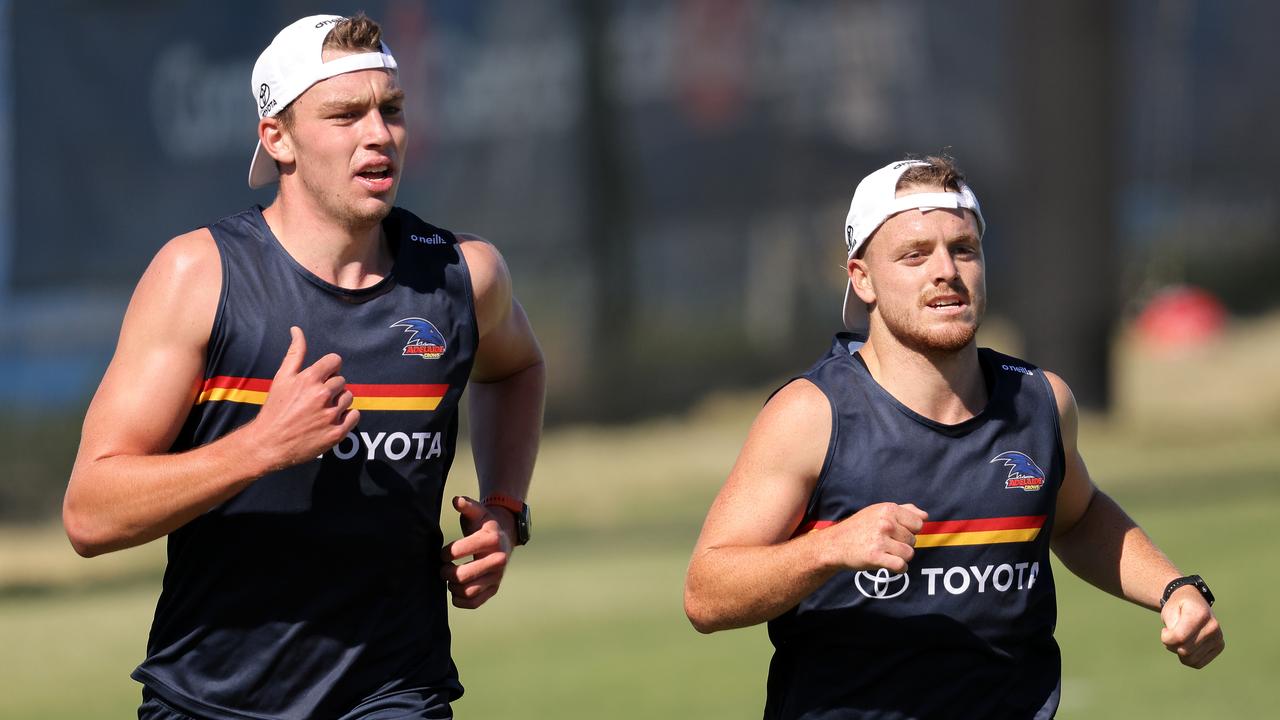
(882, 584)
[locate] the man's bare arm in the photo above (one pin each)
(126, 488)
(746, 567)
(505, 397)
(1099, 542)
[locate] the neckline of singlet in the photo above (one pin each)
(963, 427)
(356, 295)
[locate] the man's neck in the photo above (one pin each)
(945, 387)
(349, 257)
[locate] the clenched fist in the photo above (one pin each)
(307, 411)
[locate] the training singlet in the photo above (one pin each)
(967, 631)
(315, 592)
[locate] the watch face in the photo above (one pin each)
(524, 526)
(1204, 590)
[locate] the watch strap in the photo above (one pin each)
(1195, 581)
(504, 501)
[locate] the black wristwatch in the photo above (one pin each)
(1194, 580)
(519, 511)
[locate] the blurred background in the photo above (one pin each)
(668, 181)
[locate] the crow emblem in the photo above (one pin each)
(1024, 474)
(425, 341)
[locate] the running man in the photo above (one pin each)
(283, 405)
(891, 513)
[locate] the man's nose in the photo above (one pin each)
(376, 132)
(942, 265)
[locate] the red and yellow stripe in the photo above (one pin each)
(368, 396)
(979, 531)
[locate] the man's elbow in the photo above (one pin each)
(701, 620)
(701, 613)
(83, 529)
(82, 539)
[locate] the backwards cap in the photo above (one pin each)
(292, 63)
(874, 201)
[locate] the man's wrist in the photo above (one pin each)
(253, 457)
(1194, 582)
(518, 527)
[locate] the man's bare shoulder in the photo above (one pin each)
(764, 497)
(188, 256)
(490, 281)
(1063, 396)
(793, 429)
(799, 401)
(182, 283)
(488, 268)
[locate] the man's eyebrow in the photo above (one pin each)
(350, 103)
(924, 242)
(915, 243)
(341, 104)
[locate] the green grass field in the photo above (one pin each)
(590, 625)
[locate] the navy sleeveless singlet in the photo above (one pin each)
(967, 631)
(315, 592)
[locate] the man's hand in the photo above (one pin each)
(488, 542)
(877, 536)
(307, 411)
(1190, 629)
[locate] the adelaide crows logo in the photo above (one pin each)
(425, 341)
(1024, 474)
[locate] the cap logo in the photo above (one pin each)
(330, 21)
(265, 102)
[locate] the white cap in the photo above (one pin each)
(292, 63)
(874, 201)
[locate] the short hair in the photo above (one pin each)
(356, 34)
(939, 171)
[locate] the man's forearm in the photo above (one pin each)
(732, 587)
(1107, 549)
(121, 501)
(506, 427)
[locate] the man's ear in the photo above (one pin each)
(276, 140)
(861, 280)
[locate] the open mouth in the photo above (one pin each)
(946, 303)
(379, 172)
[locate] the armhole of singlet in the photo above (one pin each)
(469, 292)
(831, 453)
(1057, 423)
(217, 338)
(831, 445)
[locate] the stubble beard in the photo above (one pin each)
(936, 341)
(345, 213)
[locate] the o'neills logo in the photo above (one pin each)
(1024, 474)
(425, 341)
